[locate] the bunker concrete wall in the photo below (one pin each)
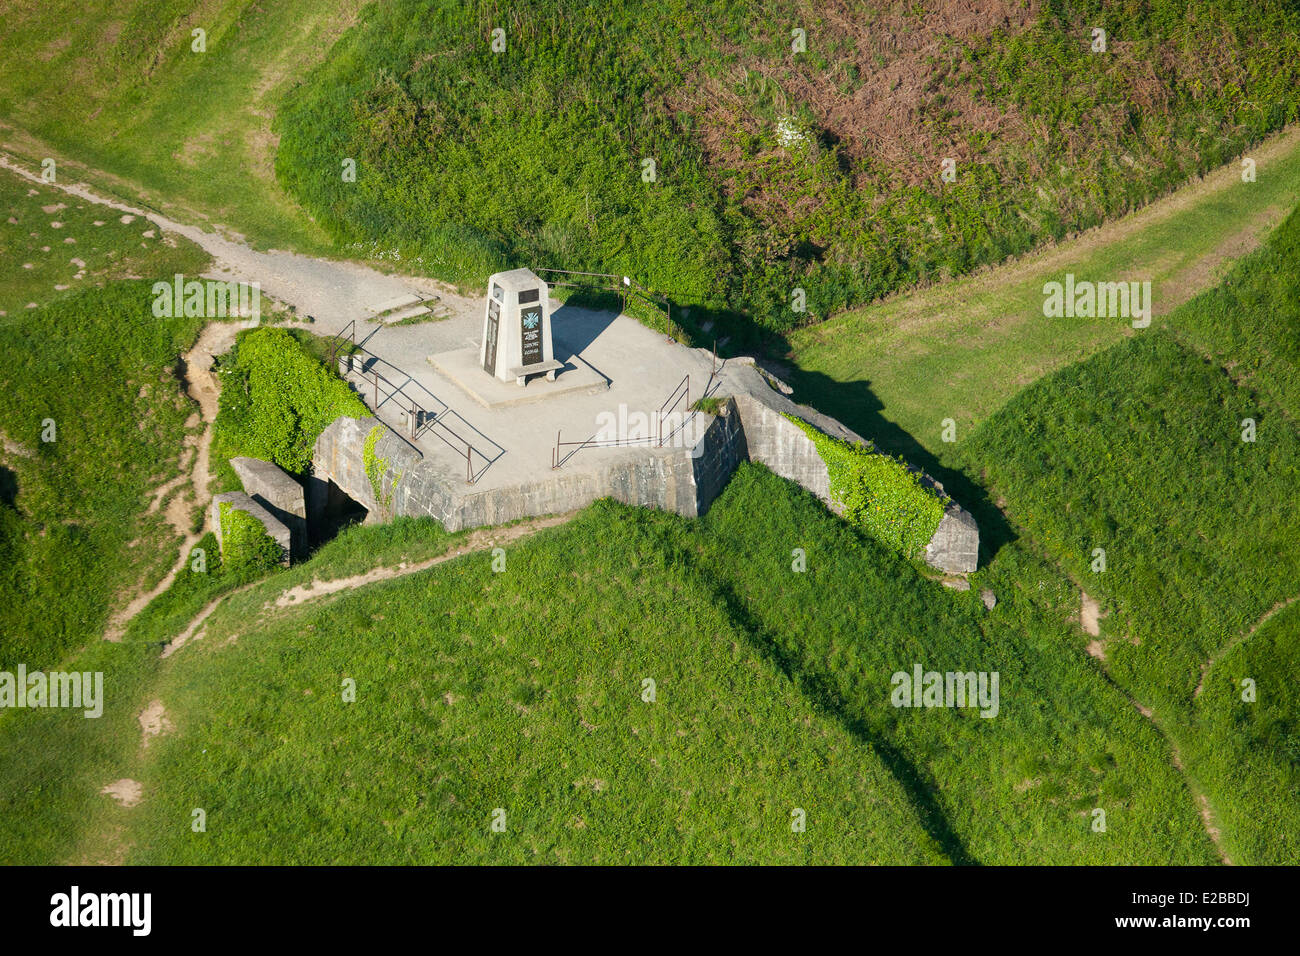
(778, 443)
(664, 478)
(782, 446)
(279, 493)
(239, 501)
(751, 426)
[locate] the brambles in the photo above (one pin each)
(879, 493)
(770, 171)
(276, 399)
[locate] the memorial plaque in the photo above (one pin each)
(530, 328)
(490, 337)
(516, 341)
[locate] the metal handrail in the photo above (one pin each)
(655, 298)
(422, 421)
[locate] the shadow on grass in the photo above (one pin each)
(920, 788)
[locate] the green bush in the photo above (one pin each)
(276, 399)
(245, 543)
(879, 493)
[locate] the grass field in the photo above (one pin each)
(85, 516)
(635, 687)
(775, 168)
(959, 350)
(53, 246)
(767, 699)
(1144, 451)
(1247, 751)
(119, 89)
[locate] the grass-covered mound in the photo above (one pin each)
(1016, 788)
(523, 690)
(1139, 452)
(773, 168)
(1247, 743)
(121, 87)
(1144, 451)
(1250, 324)
(96, 373)
(276, 399)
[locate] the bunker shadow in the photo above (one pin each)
(856, 406)
(919, 787)
(574, 326)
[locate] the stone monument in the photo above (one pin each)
(517, 328)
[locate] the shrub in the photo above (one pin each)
(245, 543)
(878, 492)
(276, 399)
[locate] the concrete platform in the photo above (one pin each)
(461, 367)
(626, 381)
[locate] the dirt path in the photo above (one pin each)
(200, 383)
(1276, 609)
(479, 540)
(918, 309)
(333, 292)
(1090, 622)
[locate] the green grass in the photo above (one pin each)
(545, 720)
(959, 350)
(118, 87)
(1140, 451)
(261, 121)
(75, 245)
(1016, 788)
(468, 159)
(74, 531)
(772, 692)
(1249, 750)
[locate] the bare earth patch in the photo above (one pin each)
(126, 792)
(1089, 614)
(154, 722)
(477, 541)
(201, 385)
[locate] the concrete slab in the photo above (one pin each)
(395, 302)
(279, 493)
(461, 367)
(239, 501)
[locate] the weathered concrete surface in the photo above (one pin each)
(781, 445)
(411, 485)
(643, 368)
(717, 455)
(956, 542)
(239, 501)
(279, 493)
(778, 443)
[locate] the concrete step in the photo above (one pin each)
(389, 318)
(399, 302)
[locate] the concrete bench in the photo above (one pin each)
(521, 372)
